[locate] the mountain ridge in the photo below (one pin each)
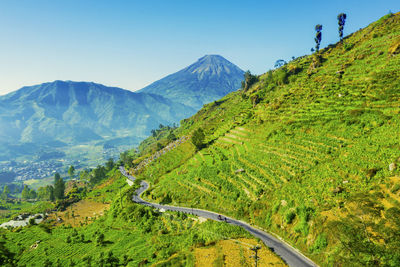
(76, 112)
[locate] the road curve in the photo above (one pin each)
(290, 255)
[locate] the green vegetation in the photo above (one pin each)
(318, 36)
(309, 151)
(59, 186)
(71, 171)
(293, 152)
(198, 138)
(52, 196)
(6, 191)
(249, 80)
(127, 235)
(341, 21)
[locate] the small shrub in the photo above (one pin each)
(100, 239)
(302, 227)
(275, 208)
(268, 219)
(290, 217)
(32, 221)
(348, 46)
(319, 244)
(372, 172)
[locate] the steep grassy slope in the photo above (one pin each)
(310, 152)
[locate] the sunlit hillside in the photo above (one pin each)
(309, 151)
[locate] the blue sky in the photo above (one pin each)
(133, 43)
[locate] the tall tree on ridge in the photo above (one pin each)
(318, 36)
(341, 21)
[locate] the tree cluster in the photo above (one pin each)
(249, 80)
(279, 63)
(198, 138)
(98, 174)
(318, 28)
(46, 193)
(6, 191)
(28, 193)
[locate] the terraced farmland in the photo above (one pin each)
(301, 151)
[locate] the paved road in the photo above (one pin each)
(290, 255)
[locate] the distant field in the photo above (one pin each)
(36, 183)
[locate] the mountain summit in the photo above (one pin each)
(206, 80)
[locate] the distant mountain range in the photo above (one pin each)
(74, 112)
(66, 112)
(208, 79)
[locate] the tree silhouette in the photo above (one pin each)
(25, 192)
(71, 171)
(279, 63)
(318, 36)
(249, 80)
(32, 194)
(50, 189)
(110, 164)
(59, 186)
(5, 193)
(341, 21)
(198, 138)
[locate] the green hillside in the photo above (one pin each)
(311, 152)
(122, 234)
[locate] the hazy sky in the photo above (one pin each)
(133, 43)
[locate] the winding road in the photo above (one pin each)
(289, 254)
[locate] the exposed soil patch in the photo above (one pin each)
(82, 212)
(235, 253)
